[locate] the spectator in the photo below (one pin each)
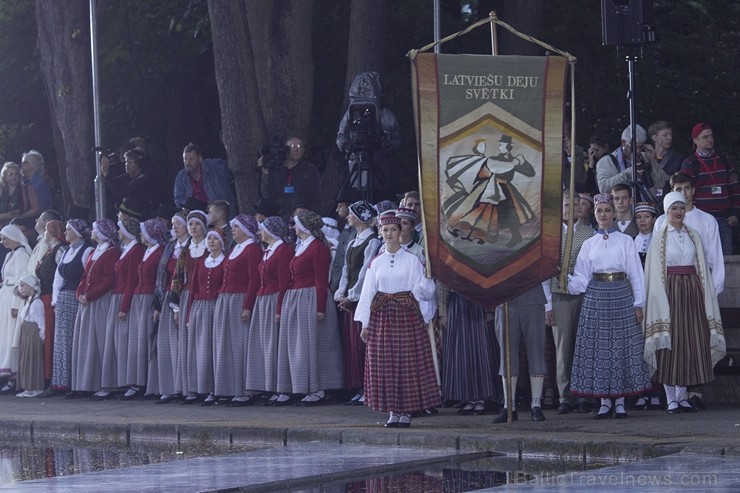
(265, 208)
(133, 184)
(296, 182)
(616, 167)
(32, 163)
(219, 212)
(205, 179)
(16, 200)
(624, 220)
(598, 146)
(716, 187)
(661, 154)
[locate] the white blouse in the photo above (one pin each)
(271, 249)
(395, 273)
(239, 248)
(679, 249)
(615, 254)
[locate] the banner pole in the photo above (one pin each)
(507, 343)
(494, 36)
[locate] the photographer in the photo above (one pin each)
(616, 167)
(294, 182)
(133, 183)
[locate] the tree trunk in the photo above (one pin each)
(264, 72)
(366, 35)
(64, 46)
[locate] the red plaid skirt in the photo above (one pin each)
(399, 369)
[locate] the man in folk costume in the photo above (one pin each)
(684, 338)
(484, 200)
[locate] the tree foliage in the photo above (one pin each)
(158, 78)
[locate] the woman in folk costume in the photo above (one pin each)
(360, 252)
(274, 280)
(399, 369)
(309, 349)
(32, 333)
(234, 307)
(141, 326)
(64, 299)
(14, 266)
(54, 235)
(207, 279)
(116, 338)
(683, 329)
(607, 361)
(167, 332)
(94, 294)
(181, 285)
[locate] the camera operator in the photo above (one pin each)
(296, 181)
(133, 183)
(616, 167)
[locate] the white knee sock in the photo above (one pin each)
(681, 394)
(670, 393)
(513, 391)
(536, 382)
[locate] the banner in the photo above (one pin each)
(490, 137)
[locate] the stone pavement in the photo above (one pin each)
(574, 436)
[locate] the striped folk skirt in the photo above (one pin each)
(469, 364)
(109, 372)
(166, 358)
(689, 361)
(399, 369)
(199, 365)
(309, 351)
(181, 373)
(30, 358)
(65, 313)
(140, 332)
(262, 346)
(89, 344)
(229, 345)
(608, 359)
(354, 352)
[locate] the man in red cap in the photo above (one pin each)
(716, 187)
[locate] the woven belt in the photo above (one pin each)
(404, 299)
(681, 270)
(609, 276)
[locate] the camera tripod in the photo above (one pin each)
(365, 174)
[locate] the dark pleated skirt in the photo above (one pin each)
(399, 369)
(354, 352)
(608, 359)
(48, 336)
(689, 361)
(30, 358)
(181, 370)
(166, 358)
(467, 366)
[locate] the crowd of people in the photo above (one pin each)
(204, 303)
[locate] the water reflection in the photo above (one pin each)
(23, 462)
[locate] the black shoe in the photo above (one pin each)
(49, 393)
(208, 402)
(620, 414)
(317, 402)
(642, 404)
(697, 403)
(248, 402)
(479, 409)
(147, 397)
(502, 417)
(604, 414)
(686, 407)
(537, 414)
(191, 399)
(584, 407)
(467, 410)
(97, 398)
(9, 388)
(73, 395)
(565, 408)
(675, 410)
